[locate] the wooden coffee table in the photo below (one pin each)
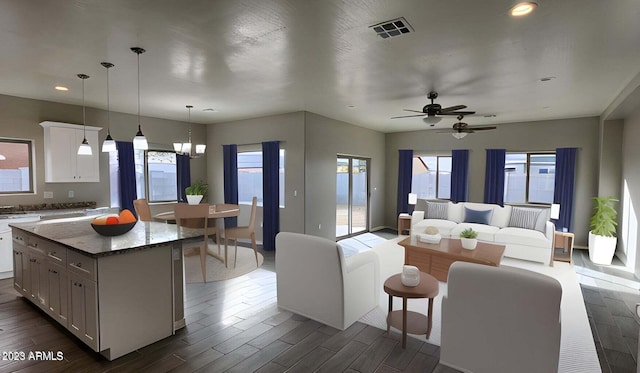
(436, 259)
(409, 321)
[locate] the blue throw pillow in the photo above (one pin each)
(476, 216)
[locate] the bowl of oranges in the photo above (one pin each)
(114, 225)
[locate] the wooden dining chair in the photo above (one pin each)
(249, 231)
(190, 216)
(142, 209)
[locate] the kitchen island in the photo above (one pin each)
(116, 294)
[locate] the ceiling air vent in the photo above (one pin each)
(395, 27)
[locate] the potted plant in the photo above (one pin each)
(602, 236)
(468, 238)
(195, 192)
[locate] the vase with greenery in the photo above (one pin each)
(602, 236)
(468, 238)
(195, 192)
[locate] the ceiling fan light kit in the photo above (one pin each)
(432, 112)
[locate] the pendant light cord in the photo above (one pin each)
(84, 117)
(108, 106)
(138, 91)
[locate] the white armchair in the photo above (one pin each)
(315, 280)
(500, 320)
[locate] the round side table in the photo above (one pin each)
(409, 321)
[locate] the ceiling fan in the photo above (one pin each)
(432, 112)
(461, 129)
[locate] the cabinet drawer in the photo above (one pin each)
(19, 237)
(38, 245)
(56, 254)
(83, 265)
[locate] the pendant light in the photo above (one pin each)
(108, 145)
(139, 142)
(85, 148)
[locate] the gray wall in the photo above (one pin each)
(630, 191)
(286, 128)
(582, 133)
(20, 118)
(325, 139)
(610, 170)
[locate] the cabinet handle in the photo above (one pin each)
(32, 260)
(53, 271)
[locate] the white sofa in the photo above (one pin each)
(315, 280)
(535, 242)
(490, 323)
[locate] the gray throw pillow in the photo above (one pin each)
(437, 210)
(522, 217)
(477, 216)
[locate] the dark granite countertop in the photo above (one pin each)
(77, 234)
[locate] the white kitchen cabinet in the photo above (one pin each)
(6, 253)
(62, 163)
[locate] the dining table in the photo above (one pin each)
(216, 211)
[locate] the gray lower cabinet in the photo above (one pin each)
(58, 292)
(83, 309)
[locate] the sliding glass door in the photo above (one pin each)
(352, 196)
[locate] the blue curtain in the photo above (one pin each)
(563, 190)
(494, 177)
(183, 170)
(230, 160)
(459, 175)
(127, 169)
(271, 193)
(405, 171)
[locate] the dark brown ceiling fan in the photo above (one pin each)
(461, 129)
(432, 112)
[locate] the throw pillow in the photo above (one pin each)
(524, 218)
(477, 216)
(437, 210)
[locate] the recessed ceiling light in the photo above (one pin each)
(61, 88)
(522, 9)
(209, 109)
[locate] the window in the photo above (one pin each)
(156, 176)
(16, 166)
(162, 180)
(431, 177)
(250, 177)
(529, 177)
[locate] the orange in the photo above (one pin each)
(112, 220)
(127, 216)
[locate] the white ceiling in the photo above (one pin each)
(259, 57)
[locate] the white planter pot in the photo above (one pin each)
(194, 199)
(469, 243)
(601, 248)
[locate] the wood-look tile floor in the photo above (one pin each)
(232, 326)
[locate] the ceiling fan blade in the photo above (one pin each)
(482, 128)
(457, 113)
(409, 116)
(453, 108)
(414, 111)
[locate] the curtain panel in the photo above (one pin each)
(230, 160)
(127, 175)
(459, 175)
(183, 172)
(494, 176)
(271, 193)
(405, 170)
(564, 186)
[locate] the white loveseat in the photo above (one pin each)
(314, 279)
(526, 232)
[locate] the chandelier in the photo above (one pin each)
(186, 148)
